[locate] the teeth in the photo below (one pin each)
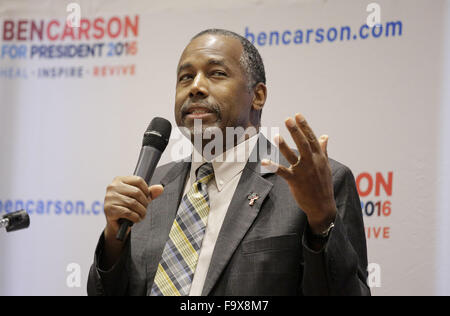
(198, 112)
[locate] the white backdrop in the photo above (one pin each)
(380, 94)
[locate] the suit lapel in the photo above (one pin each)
(163, 212)
(240, 215)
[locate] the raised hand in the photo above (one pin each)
(309, 176)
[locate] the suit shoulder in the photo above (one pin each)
(167, 168)
(338, 169)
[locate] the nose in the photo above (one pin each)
(199, 87)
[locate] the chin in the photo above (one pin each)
(206, 131)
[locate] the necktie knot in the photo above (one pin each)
(204, 173)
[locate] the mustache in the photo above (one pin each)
(211, 106)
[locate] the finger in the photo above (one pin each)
(135, 193)
(299, 138)
(131, 204)
(323, 141)
(135, 181)
(308, 132)
(290, 156)
(280, 170)
(155, 191)
(118, 212)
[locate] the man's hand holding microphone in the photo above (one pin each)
(128, 197)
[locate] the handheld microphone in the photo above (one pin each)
(154, 143)
(15, 221)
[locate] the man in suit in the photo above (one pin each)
(250, 227)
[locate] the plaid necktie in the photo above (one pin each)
(179, 260)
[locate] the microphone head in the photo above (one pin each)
(157, 134)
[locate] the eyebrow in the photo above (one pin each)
(183, 67)
(212, 61)
(218, 62)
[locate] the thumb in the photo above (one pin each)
(155, 191)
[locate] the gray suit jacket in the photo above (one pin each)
(261, 249)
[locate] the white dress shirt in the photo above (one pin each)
(227, 173)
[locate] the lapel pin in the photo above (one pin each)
(252, 197)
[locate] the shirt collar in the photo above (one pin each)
(226, 166)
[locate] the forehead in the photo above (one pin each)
(212, 45)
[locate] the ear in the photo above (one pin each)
(259, 96)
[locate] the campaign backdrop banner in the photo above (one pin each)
(80, 81)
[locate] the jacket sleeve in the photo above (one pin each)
(340, 268)
(113, 282)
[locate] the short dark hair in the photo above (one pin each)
(251, 60)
